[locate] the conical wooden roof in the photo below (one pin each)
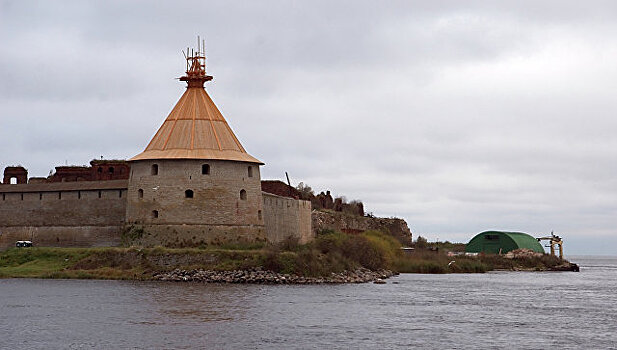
(195, 129)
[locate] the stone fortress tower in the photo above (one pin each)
(195, 183)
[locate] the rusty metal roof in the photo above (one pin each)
(195, 128)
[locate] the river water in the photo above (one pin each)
(514, 310)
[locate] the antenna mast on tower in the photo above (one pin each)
(196, 65)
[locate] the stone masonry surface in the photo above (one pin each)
(63, 214)
(287, 217)
(216, 196)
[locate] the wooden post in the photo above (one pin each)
(288, 184)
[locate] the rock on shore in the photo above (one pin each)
(566, 266)
(260, 276)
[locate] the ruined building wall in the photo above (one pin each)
(279, 188)
(19, 173)
(325, 220)
(99, 170)
(80, 214)
(287, 217)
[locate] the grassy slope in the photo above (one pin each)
(119, 263)
(333, 252)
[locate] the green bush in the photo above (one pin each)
(328, 242)
(420, 266)
(333, 252)
(388, 247)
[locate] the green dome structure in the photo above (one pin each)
(495, 242)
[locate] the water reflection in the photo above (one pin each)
(201, 302)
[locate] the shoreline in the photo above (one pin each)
(257, 265)
(331, 258)
(259, 276)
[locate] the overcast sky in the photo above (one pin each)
(457, 116)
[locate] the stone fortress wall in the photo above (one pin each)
(221, 193)
(287, 217)
(195, 202)
(73, 213)
(68, 214)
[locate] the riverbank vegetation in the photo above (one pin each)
(332, 252)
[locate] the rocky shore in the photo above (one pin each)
(259, 276)
(530, 254)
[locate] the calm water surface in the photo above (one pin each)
(471, 311)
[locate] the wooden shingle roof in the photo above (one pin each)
(195, 129)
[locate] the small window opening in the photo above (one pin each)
(13, 181)
(120, 194)
(100, 170)
(140, 193)
(154, 170)
(188, 194)
(78, 194)
(111, 170)
(22, 196)
(40, 196)
(250, 168)
(59, 195)
(243, 195)
(205, 169)
(259, 214)
(155, 214)
(100, 194)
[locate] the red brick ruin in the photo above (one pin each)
(18, 172)
(99, 170)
